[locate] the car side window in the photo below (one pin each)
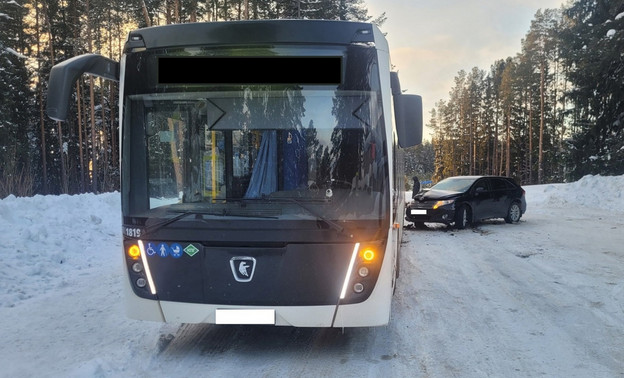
(481, 186)
(498, 184)
(510, 185)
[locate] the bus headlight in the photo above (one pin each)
(363, 271)
(141, 282)
(358, 288)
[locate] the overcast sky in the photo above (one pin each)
(431, 40)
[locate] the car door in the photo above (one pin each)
(499, 197)
(481, 199)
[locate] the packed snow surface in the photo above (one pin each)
(544, 297)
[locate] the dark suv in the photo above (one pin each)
(462, 200)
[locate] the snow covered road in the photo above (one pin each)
(544, 297)
(541, 298)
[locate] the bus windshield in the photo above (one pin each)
(255, 151)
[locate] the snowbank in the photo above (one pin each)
(46, 241)
(602, 192)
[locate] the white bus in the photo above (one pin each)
(261, 167)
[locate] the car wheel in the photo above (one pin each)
(462, 217)
(514, 213)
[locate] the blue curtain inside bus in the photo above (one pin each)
(264, 174)
(264, 178)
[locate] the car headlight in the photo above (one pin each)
(442, 203)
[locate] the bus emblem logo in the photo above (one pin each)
(243, 268)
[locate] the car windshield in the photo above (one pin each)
(454, 184)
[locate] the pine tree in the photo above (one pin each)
(539, 55)
(15, 105)
(592, 42)
(82, 154)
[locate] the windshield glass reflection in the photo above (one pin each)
(245, 152)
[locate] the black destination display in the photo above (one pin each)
(250, 70)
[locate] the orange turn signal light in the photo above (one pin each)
(134, 252)
(368, 254)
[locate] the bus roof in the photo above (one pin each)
(254, 32)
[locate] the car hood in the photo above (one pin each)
(436, 195)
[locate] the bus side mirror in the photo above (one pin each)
(64, 75)
(407, 114)
(409, 119)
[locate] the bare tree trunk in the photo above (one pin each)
(80, 141)
(471, 141)
(64, 183)
(49, 26)
(473, 150)
(105, 159)
(508, 152)
(167, 12)
(530, 139)
(502, 157)
(85, 137)
(114, 134)
(209, 10)
(52, 60)
(193, 15)
(44, 165)
(111, 102)
(94, 149)
(540, 168)
(563, 105)
(148, 22)
(495, 152)
(94, 154)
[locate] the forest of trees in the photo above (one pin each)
(552, 113)
(40, 156)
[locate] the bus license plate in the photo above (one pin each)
(418, 212)
(245, 316)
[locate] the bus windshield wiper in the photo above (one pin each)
(331, 223)
(155, 227)
(220, 213)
